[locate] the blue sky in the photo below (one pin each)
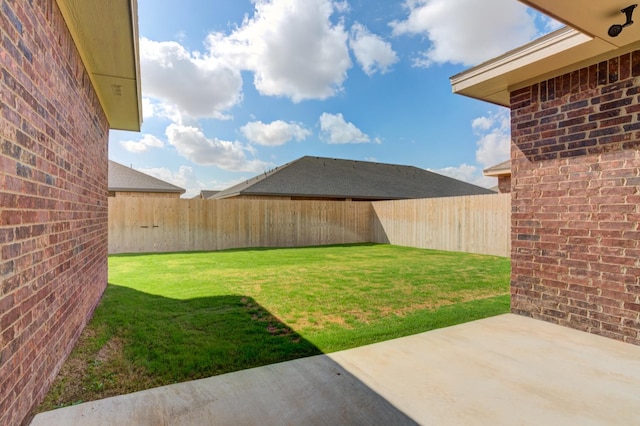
(232, 88)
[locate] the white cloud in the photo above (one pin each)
(275, 133)
(147, 142)
(191, 143)
(342, 6)
(195, 85)
(494, 143)
(164, 109)
(292, 47)
(148, 109)
(466, 31)
(464, 172)
(467, 173)
(482, 123)
(371, 51)
(492, 147)
(335, 130)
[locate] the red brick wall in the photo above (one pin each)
(53, 201)
(504, 184)
(576, 199)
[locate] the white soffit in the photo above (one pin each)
(106, 35)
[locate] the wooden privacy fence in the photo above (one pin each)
(140, 225)
(475, 224)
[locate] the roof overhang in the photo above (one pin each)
(105, 33)
(583, 43)
(497, 172)
(501, 169)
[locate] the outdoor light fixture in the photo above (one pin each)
(616, 29)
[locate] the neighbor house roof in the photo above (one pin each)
(501, 169)
(126, 179)
(106, 36)
(568, 49)
(334, 178)
(205, 194)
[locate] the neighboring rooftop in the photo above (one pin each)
(205, 194)
(318, 177)
(127, 179)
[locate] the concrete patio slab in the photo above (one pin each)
(503, 370)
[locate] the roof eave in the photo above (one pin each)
(557, 53)
(106, 36)
(497, 173)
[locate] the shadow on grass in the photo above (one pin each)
(137, 341)
(178, 340)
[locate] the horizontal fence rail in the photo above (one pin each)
(474, 224)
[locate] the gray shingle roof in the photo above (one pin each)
(208, 194)
(334, 178)
(126, 179)
(205, 194)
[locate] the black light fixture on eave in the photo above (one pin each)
(615, 30)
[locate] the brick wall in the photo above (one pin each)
(576, 197)
(504, 184)
(53, 201)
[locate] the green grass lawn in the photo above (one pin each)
(168, 318)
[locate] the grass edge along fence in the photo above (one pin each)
(474, 224)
